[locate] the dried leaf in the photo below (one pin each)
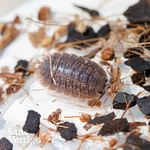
(115, 85)
(37, 37)
(44, 138)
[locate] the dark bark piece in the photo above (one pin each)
(147, 73)
(90, 11)
(136, 143)
(32, 122)
(138, 78)
(74, 35)
(132, 52)
(144, 104)
(146, 87)
(102, 119)
(138, 13)
(119, 101)
(144, 38)
(114, 126)
(103, 30)
(137, 63)
(5, 144)
(22, 63)
(67, 133)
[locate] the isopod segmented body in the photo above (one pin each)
(73, 76)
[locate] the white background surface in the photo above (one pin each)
(15, 114)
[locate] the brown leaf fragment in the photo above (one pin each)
(47, 42)
(134, 125)
(85, 117)
(44, 138)
(16, 75)
(60, 31)
(17, 20)
(13, 89)
(4, 69)
(1, 93)
(37, 37)
(94, 102)
(118, 60)
(10, 35)
(105, 63)
(115, 85)
(44, 13)
(135, 132)
(107, 54)
(87, 126)
(55, 116)
(113, 142)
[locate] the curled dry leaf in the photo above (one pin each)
(94, 102)
(44, 138)
(47, 42)
(37, 37)
(55, 116)
(60, 31)
(1, 93)
(112, 41)
(44, 13)
(115, 85)
(85, 117)
(10, 35)
(4, 69)
(112, 142)
(118, 60)
(108, 54)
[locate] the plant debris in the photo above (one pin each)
(13, 89)
(55, 116)
(134, 125)
(11, 34)
(103, 31)
(135, 142)
(144, 104)
(5, 144)
(85, 117)
(121, 99)
(137, 63)
(44, 13)
(102, 119)
(74, 35)
(115, 84)
(90, 11)
(107, 54)
(114, 126)
(32, 122)
(138, 78)
(94, 102)
(44, 138)
(67, 133)
(144, 38)
(22, 63)
(138, 13)
(132, 52)
(37, 37)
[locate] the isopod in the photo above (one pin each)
(72, 75)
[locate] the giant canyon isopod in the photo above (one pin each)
(72, 76)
